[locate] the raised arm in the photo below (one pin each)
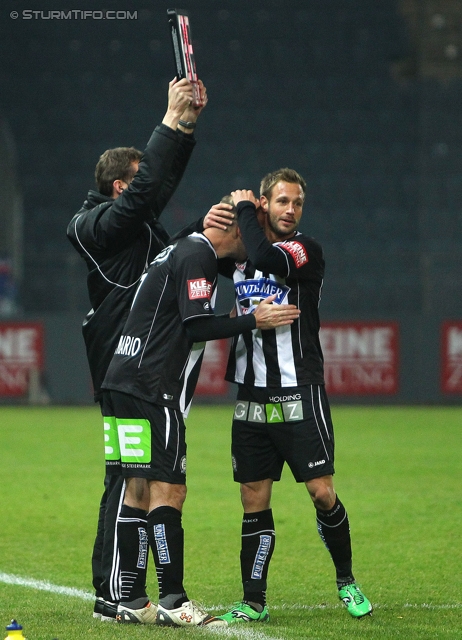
(261, 252)
(115, 223)
(186, 144)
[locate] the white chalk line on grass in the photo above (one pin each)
(239, 632)
(44, 585)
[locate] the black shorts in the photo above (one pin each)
(147, 440)
(273, 426)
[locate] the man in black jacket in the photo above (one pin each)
(117, 232)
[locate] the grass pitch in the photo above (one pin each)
(398, 471)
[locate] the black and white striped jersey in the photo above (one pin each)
(288, 356)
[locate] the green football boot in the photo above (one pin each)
(355, 601)
(243, 612)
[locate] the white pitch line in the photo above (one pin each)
(44, 585)
(239, 632)
(429, 605)
(282, 607)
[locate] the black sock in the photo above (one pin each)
(257, 546)
(334, 529)
(134, 553)
(166, 538)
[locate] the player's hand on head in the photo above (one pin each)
(220, 216)
(270, 316)
(241, 195)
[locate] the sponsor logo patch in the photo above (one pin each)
(270, 413)
(161, 544)
(318, 463)
(260, 558)
(200, 288)
(111, 439)
(274, 413)
(297, 251)
(134, 437)
(261, 288)
(143, 548)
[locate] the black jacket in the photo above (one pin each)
(119, 238)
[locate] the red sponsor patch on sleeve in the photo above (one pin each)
(200, 288)
(296, 250)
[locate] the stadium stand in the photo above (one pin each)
(322, 87)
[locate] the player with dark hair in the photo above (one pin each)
(282, 411)
(118, 233)
(119, 164)
(151, 379)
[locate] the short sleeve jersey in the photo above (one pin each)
(290, 355)
(155, 360)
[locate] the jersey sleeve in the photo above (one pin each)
(196, 277)
(218, 327)
(184, 149)
(299, 256)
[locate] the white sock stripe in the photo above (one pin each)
(122, 519)
(257, 533)
(332, 526)
(114, 578)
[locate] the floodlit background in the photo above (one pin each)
(362, 97)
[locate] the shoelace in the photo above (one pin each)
(357, 595)
(198, 607)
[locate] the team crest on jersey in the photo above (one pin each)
(240, 266)
(261, 288)
(296, 250)
(163, 255)
(200, 288)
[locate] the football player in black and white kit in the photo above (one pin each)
(282, 412)
(117, 232)
(151, 380)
